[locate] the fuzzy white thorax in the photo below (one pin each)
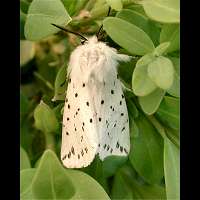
(95, 119)
(94, 57)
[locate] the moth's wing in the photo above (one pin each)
(79, 132)
(113, 128)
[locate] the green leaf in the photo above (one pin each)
(172, 169)
(27, 51)
(161, 72)
(126, 186)
(125, 70)
(142, 85)
(134, 131)
(136, 7)
(45, 119)
(40, 16)
(169, 112)
(70, 6)
(171, 33)
(161, 48)
(151, 102)
(174, 90)
(24, 104)
(134, 18)
(115, 4)
(167, 11)
(60, 84)
(129, 36)
(22, 23)
(111, 164)
(24, 160)
(142, 22)
(173, 135)
(50, 180)
(74, 6)
(24, 5)
(82, 183)
(147, 152)
(26, 177)
(86, 187)
(132, 109)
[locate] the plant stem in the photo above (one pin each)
(157, 125)
(50, 141)
(47, 83)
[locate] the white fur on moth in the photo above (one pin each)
(95, 119)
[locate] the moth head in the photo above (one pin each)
(92, 40)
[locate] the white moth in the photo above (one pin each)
(95, 119)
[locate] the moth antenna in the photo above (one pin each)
(98, 33)
(69, 31)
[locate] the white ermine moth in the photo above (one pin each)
(95, 119)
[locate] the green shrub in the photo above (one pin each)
(149, 32)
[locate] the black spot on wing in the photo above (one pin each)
(117, 145)
(72, 150)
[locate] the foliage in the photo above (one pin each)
(146, 30)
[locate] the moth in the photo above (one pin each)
(95, 119)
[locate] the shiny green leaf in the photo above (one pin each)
(111, 164)
(142, 85)
(167, 11)
(26, 177)
(132, 109)
(142, 22)
(161, 48)
(174, 90)
(147, 152)
(45, 119)
(50, 180)
(129, 36)
(40, 16)
(169, 112)
(115, 4)
(161, 72)
(60, 85)
(171, 33)
(24, 159)
(126, 186)
(151, 102)
(172, 170)
(86, 187)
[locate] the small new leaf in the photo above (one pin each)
(161, 72)
(45, 119)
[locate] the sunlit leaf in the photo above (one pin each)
(161, 72)
(167, 11)
(172, 170)
(40, 16)
(45, 119)
(129, 36)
